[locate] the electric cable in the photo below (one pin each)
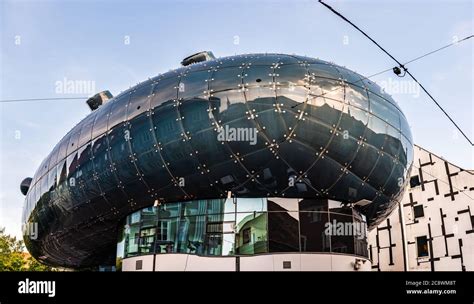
(403, 67)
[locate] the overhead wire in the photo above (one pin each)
(395, 69)
(391, 69)
(402, 66)
(41, 99)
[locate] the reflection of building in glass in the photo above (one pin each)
(238, 227)
(323, 133)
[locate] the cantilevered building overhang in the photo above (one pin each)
(321, 134)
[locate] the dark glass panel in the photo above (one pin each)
(299, 158)
(44, 166)
(324, 111)
(41, 169)
(396, 181)
(86, 129)
(350, 77)
(382, 170)
(349, 187)
(83, 155)
(393, 143)
(180, 161)
(274, 59)
(406, 156)
(283, 226)
(165, 91)
(235, 61)
(44, 194)
(324, 172)
(384, 110)
(53, 157)
(166, 124)
(353, 122)
(101, 162)
(62, 173)
(308, 60)
(313, 237)
(74, 139)
(140, 100)
(318, 71)
(314, 133)
(84, 163)
(227, 106)
(226, 79)
(193, 85)
(320, 205)
(242, 136)
(120, 154)
(405, 128)
(259, 84)
(364, 161)
(140, 135)
(63, 145)
(210, 151)
(342, 148)
(36, 194)
(283, 232)
(196, 115)
(152, 167)
(329, 90)
(71, 164)
(376, 131)
(292, 84)
(52, 179)
(118, 112)
(101, 118)
(357, 97)
(341, 230)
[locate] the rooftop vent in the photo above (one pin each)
(98, 99)
(198, 57)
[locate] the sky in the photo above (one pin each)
(45, 46)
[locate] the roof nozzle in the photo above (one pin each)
(198, 57)
(98, 99)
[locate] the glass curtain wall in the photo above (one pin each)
(244, 226)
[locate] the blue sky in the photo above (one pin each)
(114, 45)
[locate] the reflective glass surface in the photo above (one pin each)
(244, 226)
(74, 139)
(140, 100)
(101, 119)
(118, 110)
(258, 125)
(86, 129)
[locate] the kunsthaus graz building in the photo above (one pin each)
(250, 162)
